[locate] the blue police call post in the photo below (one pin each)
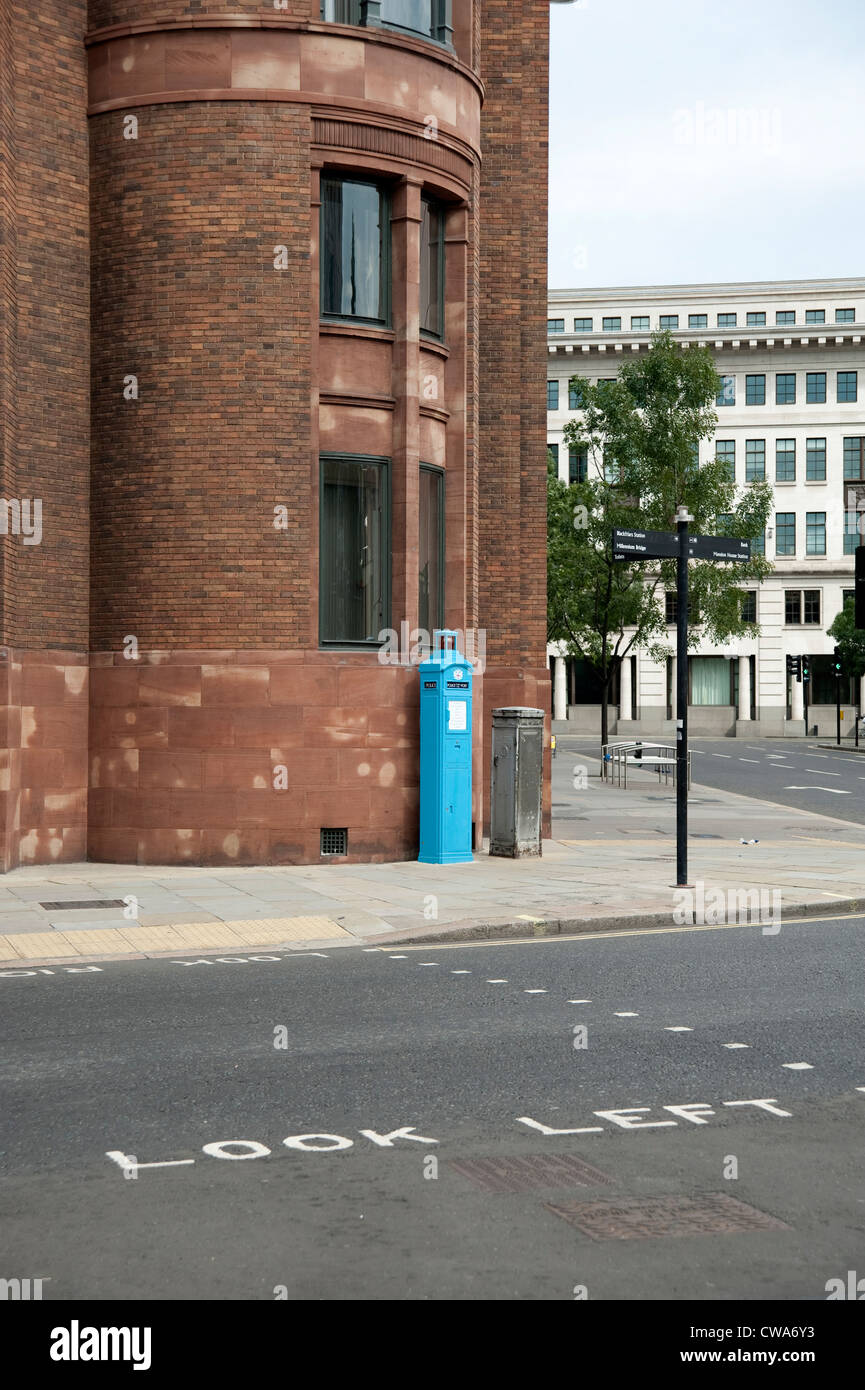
(445, 754)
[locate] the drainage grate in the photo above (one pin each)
(527, 1174)
(334, 841)
(89, 904)
(713, 1214)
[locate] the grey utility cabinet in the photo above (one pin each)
(516, 773)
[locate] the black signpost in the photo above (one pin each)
(679, 546)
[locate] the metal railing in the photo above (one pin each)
(661, 757)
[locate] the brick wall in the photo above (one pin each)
(186, 298)
(512, 430)
(44, 429)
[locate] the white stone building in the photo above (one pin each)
(792, 410)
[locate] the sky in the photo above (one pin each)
(706, 140)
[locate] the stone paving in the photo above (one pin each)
(619, 876)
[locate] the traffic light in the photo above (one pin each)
(806, 667)
(836, 661)
(794, 667)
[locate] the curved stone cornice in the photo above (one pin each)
(234, 58)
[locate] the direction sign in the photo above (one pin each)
(718, 548)
(664, 545)
(645, 545)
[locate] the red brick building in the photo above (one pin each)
(273, 282)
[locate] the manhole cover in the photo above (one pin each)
(529, 1174)
(88, 904)
(713, 1214)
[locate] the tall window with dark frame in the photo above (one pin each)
(854, 458)
(811, 606)
(785, 533)
(793, 607)
(431, 549)
(815, 460)
(755, 460)
(725, 449)
(815, 533)
(755, 388)
(431, 19)
(578, 465)
(815, 388)
(432, 269)
(785, 388)
(848, 386)
(355, 251)
(785, 460)
(749, 606)
(354, 550)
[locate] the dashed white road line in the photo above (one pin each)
(397, 957)
(461, 972)
(534, 991)
(578, 1001)
(678, 1029)
(626, 1015)
(797, 1066)
(749, 760)
(735, 1045)
(496, 982)
(722, 755)
(821, 772)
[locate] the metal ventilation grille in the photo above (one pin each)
(334, 841)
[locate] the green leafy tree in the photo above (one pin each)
(641, 435)
(850, 639)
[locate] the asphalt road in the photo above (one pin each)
(788, 771)
(152, 1061)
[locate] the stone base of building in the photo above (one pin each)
(223, 757)
(43, 757)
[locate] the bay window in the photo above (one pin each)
(354, 549)
(355, 250)
(432, 268)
